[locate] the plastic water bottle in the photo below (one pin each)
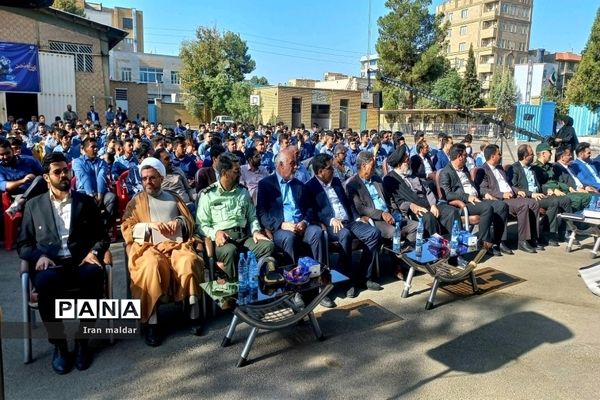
(243, 274)
(419, 241)
(454, 237)
(397, 239)
(252, 271)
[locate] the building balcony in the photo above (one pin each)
(485, 85)
(490, 14)
(489, 33)
(485, 68)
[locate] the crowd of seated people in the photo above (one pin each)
(274, 191)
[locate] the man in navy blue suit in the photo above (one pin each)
(281, 208)
(329, 205)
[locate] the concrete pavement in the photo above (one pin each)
(536, 339)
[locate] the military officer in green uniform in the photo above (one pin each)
(227, 215)
(553, 184)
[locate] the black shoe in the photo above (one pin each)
(327, 302)
(505, 249)
(537, 245)
(352, 292)
(494, 251)
(373, 286)
(62, 362)
(83, 355)
(553, 243)
(196, 327)
(526, 247)
(152, 337)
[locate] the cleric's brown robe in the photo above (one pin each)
(168, 268)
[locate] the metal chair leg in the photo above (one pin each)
(26, 318)
(474, 282)
(407, 282)
(249, 342)
(431, 299)
(316, 328)
(229, 335)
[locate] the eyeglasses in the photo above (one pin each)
(59, 172)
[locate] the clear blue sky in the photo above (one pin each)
(305, 39)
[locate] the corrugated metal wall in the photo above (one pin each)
(535, 118)
(57, 78)
(585, 121)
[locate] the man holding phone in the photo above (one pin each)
(63, 239)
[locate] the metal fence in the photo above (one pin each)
(477, 130)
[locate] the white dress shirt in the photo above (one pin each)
(61, 211)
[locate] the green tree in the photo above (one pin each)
(494, 87)
(505, 96)
(551, 93)
(410, 44)
(448, 87)
(583, 88)
(471, 87)
(238, 104)
(69, 6)
(212, 64)
(259, 81)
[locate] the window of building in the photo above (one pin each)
(127, 23)
(343, 113)
(84, 59)
(449, 32)
(464, 13)
(513, 28)
(462, 46)
(126, 74)
(505, 8)
(448, 49)
(463, 30)
(151, 75)
(175, 79)
(450, 17)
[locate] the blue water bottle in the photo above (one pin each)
(419, 241)
(243, 274)
(454, 237)
(253, 273)
(397, 239)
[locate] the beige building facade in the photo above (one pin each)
(67, 43)
(304, 105)
(499, 31)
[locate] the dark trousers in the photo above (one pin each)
(291, 243)
(448, 214)
(369, 236)
(240, 242)
(408, 229)
(490, 212)
(527, 212)
(555, 205)
(56, 283)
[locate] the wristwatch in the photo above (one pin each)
(95, 252)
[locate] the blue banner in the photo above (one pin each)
(19, 68)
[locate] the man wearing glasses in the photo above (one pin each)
(60, 240)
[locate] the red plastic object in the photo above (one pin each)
(11, 223)
(122, 194)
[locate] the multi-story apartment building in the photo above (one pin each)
(129, 20)
(499, 31)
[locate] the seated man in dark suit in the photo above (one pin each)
(411, 195)
(524, 181)
(63, 253)
(330, 206)
(365, 191)
(206, 176)
(496, 186)
(456, 184)
(565, 181)
(281, 210)
(420, 163)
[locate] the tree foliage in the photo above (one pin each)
(410, 44)
(212, 64)
(583, 88)
(504, 95)
(259, 81)
(69, 6)
(471, 87)
(448, 87)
